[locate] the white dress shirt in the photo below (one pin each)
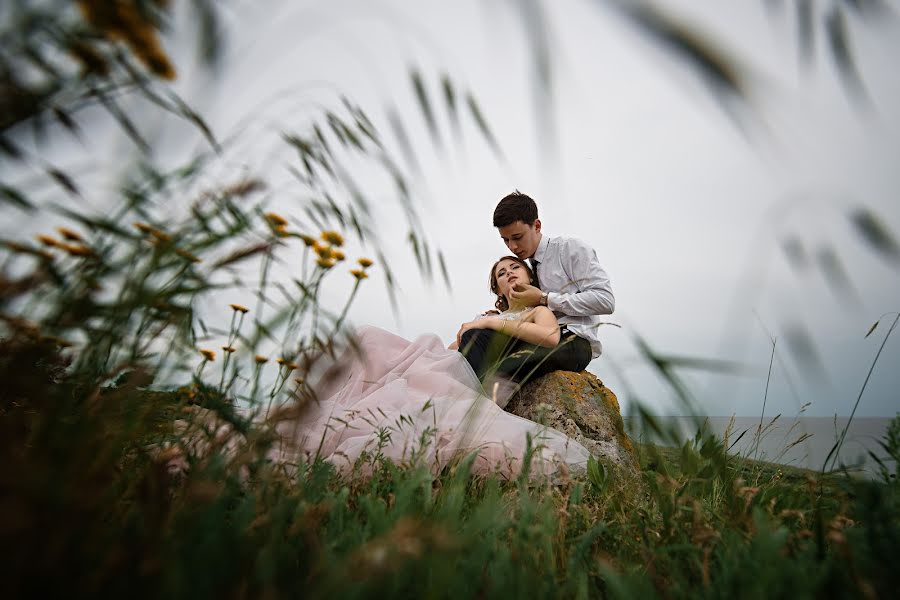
(578, 289)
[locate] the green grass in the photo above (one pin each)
(89, 511)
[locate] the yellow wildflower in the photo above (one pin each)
(333, 237)
(280, 360)
(324, 252)
(48, 240)
(275, 219)
(228, 349)
(69, 234)
(337, 255)
(308, 240)
(260, 359)
(240, 308)
(359, 273)
(325, 263)
(208, 354)
(365, 263)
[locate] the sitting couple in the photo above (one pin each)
(421, 401)
(548, 315)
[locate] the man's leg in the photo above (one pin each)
(483, 348)
(528, 361)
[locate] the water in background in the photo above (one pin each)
(799, 441)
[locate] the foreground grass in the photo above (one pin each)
(88, 510)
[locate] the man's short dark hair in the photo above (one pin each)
(515, 207)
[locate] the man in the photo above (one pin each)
(571, 283)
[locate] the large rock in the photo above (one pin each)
(579, 405)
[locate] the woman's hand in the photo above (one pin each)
(481, 323)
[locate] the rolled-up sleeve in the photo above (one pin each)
(591, 292)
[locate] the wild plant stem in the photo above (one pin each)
(836, 450)
(765, 397)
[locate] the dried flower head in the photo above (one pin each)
(365, 263)
(275, 219)
(325, 263)
(337, 255)
(48, 240)
(228, 349)
(260, 359)
(333, 237)
(242, 188)
(359, 273)
(70, 235)
(280, 360)
(78, 250)
(239, 308)
(187, 255)
(208, 354)
(160, 236)
(143, 227)
(309, 240)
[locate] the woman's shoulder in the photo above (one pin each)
(541, 311)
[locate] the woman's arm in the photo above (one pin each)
(541, 328)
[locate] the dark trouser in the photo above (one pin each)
(489, 351)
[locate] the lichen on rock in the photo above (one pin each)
(579, 405)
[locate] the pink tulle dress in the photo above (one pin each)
(416, 402)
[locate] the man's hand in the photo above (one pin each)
(526, 294)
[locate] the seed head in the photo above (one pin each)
(208, 355)
(365, 263)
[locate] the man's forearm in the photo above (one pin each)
(583, 304)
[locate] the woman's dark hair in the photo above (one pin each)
(501, 302)
(515, 207)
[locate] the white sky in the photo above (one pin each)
(682, 207)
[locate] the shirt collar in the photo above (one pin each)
(542, 248)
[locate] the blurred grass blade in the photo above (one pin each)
(444, 272)
(839, 42)
(15, 197)
(483, 126)
(795, 254)
(872, 328)
(123, 119)
(64, 181)
(402, 136)
(876, 234)
(836, 275)
(452, 106)
(425, 106)
(722, 74)
(9, 148)
(802, 347)
(806, 32)
(209, 41)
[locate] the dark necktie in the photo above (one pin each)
(534, 268)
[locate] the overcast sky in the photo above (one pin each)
(685, 206)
